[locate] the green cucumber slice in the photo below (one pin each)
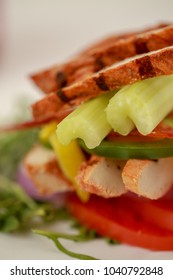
(130, 149)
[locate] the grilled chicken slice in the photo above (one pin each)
(148, 178)
(103, 54)
(42, 168)
(102, 176)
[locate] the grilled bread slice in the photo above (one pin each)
(123, 73)
(102, 54)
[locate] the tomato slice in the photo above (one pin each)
(114, 219)
(157, 212)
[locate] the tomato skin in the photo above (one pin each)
(157, 212)
(114, 219)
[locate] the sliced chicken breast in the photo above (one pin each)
(42, 168)
(148, 178)
(102, 176)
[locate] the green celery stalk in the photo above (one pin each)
(87, 122)
(144, 105)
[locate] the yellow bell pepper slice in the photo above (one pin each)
(46, 131)
(69, 158)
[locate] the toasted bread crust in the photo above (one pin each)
(129, 71)
(103, 54)
(104, 43)
(46, 107)
(52, 108)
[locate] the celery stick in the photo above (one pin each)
(87, 122)
(144, 105)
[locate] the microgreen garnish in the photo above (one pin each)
(55, 236)
(20, 212)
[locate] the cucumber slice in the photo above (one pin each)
(130, 149)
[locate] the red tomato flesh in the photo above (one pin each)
(116, 219)
(157, 212)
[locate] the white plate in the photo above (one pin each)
(30, 246)
(41, 33)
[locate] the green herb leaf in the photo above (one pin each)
(54, 236)
(13, 147)
(10, 224)
(20, 212)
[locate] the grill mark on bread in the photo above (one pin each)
(101, 83)
(61, 79)
(140, 46)
(99, 64)
(145, 68)
(62, 96)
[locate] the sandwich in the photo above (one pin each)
(106, 137)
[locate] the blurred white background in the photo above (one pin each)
(39, 33)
